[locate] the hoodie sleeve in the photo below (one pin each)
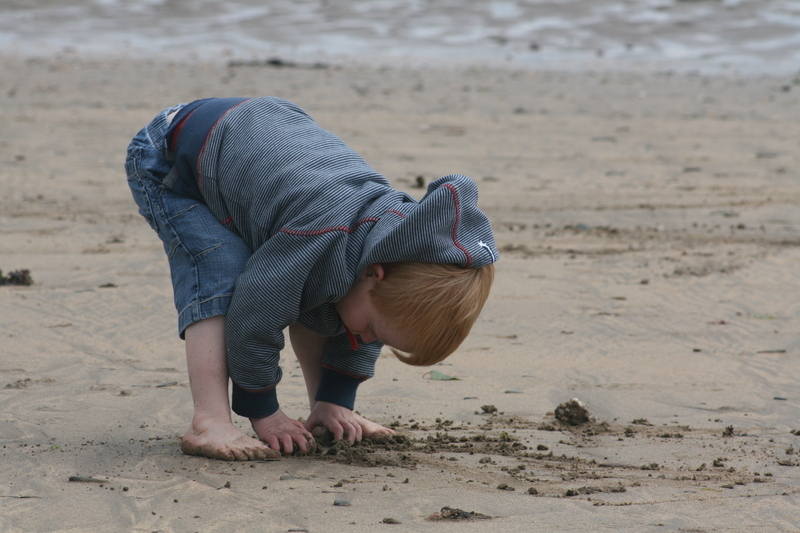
(265, 301)
(344, 368)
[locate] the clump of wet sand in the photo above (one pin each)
(572, 413)
(16, 277)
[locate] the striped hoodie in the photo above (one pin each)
(315, 215)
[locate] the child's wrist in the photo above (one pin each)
(254, 404)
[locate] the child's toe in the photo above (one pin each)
(264, 453)
(239, 454)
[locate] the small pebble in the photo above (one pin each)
(341, 502)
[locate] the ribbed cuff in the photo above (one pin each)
(337, 388)
(254, 404)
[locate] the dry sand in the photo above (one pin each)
(650, 229)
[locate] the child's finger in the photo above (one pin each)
(306, 433)
(286, 443)
(272, 442)
(302, 442)
(356, 431)
(350, 432)
(297, 440)
(337, 429)
(311, 423)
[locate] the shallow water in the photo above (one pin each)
(747, 36)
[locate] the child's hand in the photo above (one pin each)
(282, 433)
(344, 423)
(340, 421)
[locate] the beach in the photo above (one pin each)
(649, 229)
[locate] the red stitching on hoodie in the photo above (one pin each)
(205, 141)
(453, 235)
(396, 212)
(352, 339)
(346, 229)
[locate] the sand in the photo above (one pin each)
(649, 228)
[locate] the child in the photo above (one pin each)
(268, 222)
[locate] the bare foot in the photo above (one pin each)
(371, 429)
(223, 440)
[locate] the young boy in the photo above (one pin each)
(269, 222)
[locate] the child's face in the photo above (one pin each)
(359, 315)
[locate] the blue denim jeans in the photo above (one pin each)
(205, 257)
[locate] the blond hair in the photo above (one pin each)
(434, 304)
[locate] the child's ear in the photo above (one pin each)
(375, 271)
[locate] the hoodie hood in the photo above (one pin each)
(445, 226)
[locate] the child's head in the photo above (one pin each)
(434, 304)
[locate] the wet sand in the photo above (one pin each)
(649, 224)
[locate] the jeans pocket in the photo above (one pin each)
(192, 226)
